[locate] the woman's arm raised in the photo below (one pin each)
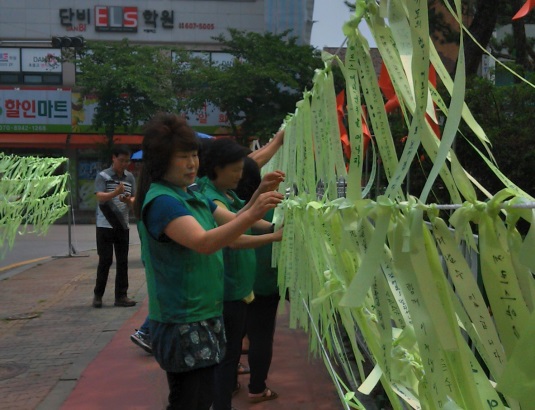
(186, 231)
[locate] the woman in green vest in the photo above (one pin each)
(223, 163)
(182, 234)
(262, 311)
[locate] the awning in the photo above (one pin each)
(10, 140)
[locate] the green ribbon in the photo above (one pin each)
(30, 195)
(379, 266)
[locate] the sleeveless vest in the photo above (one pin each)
(240, 264)
(183, 286)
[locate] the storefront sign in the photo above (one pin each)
(9, 59)
(116, 19)
(41, 60)
(87, 172)
(165, 17)
(35, 111)
(209, 119)
(67, 16)
(126, 20)
(38, 110)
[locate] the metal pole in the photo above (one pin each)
(327, 359)
(70, 212)
(69, 216)
(72, 251)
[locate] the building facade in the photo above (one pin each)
(295, 15)
(40, 110)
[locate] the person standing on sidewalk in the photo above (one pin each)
(115, 191)
(185, 272)
(262, 312)
(141, 336)
(223, 163)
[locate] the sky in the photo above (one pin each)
(329, 16)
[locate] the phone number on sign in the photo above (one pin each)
(201, 26)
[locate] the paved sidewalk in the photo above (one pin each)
(57, 352)
(49, 332)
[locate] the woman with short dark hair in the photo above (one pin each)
(182, 233)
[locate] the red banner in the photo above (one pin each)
(526, 8)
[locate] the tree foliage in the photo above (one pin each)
(506, 113)
(483, 17)
(516, 46)
(261, 86)
(129, 82)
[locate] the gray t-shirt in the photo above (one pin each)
(107, 181)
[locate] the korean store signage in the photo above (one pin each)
(68, 16)
(9, 59)
(35, 111)
(41, 60)
(109, 19)
(55, 111)
(116, 19)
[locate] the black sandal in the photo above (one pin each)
(267, 394)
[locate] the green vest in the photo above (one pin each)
(266, 277)
(240, 264)
(184, 286)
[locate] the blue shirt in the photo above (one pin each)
(162, 211)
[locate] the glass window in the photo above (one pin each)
(222, 58)
(33, 79)
(9, 79)
(52, 79)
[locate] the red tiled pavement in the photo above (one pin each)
(122, 376)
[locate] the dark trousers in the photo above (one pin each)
(191, 390)
(261, 321)
(226, 372)
(107, 240)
